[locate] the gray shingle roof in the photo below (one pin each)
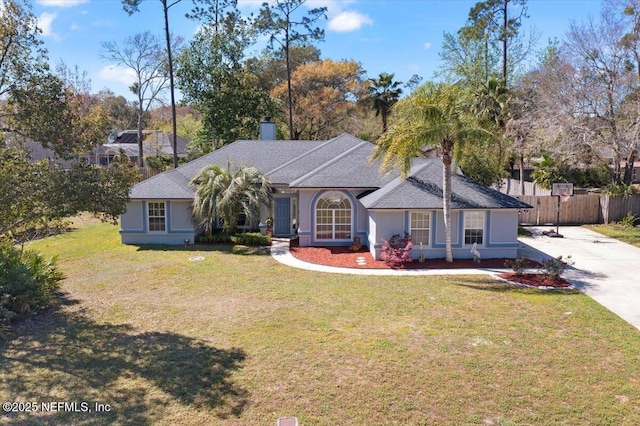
(342, 162)
(351, 168)
(422, 189)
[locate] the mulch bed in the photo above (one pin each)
(343, 257)
(535, 280)
(362, 259)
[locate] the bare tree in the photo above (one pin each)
(588, 98)
(144, 55)
(131, 7)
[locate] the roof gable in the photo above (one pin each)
(422, 189)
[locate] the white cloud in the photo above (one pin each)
(45, 23)
(117, 74)
(427, 46)
(348, 21)
(61, 3)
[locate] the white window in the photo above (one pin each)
(420, 227)
(473, 227)
(333, 217)
(157, 217)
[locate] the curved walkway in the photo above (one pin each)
(280, 252)
(605, 269)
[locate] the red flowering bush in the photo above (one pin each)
(397, 250)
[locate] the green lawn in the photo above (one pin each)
(623, 233)
(238, 339)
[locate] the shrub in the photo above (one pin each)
(251, 239)
(554, 268)
(627, 221)
(518, 265)
(215, 238)
(28, 282)
(397, 250)
(246, 239)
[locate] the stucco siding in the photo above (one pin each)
(133, 218)
(439, 229)
(503, 227)
(134, 226)
(180, 216)
(305, 228)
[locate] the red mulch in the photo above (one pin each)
(343, 257)
(536, 280)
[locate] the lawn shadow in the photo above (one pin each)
(63, 355)
(480, 283)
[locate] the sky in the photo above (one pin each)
(396, 36)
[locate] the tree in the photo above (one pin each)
(588, 104)
(271, 68)
(227, 194)
(490, 45)
(144, 55)
(32, 99)
(212, 77)
(122, 114)
(278, 20)
(131, 6)
(384, 93)
(434, 115)
(33, 193)
(485, 161)
(323, 95)
(214, 13)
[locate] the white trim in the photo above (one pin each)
(164, 217)
(333, 211)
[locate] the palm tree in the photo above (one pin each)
(227, 194)
(384, 93)
(434, 115)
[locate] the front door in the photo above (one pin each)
(282, 219)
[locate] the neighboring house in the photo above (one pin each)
(328, 193)
(635, 174)
(156, 143)
(37, 152)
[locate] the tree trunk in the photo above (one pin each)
(628, 170)
(290, 101)
(505, 30)
(384, 114)
(447, 159)
(171, 84)
(521, 174)
(140, 135)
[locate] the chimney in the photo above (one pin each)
(267, 129)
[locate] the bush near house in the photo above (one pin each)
(28, 282)
(397, 250)
(245, 239)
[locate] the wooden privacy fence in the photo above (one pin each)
(614, 207)
(579, 209)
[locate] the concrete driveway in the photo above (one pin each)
(605, 269)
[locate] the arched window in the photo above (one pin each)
(333, 217)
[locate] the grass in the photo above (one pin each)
(627, 234)
(239, 339)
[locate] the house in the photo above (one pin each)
(328, 193)
(156, 143)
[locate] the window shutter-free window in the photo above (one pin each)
(157, 216)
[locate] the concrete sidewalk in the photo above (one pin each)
(280, 252)
(605, 269)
